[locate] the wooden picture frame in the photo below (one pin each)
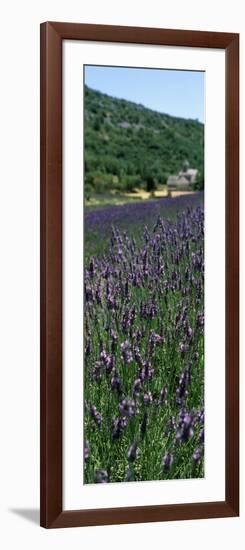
(52, 35)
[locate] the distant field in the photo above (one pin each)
(117, 198)
(130, 216)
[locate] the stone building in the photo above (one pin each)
(185, 178)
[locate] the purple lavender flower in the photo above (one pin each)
(184, 381)
(118, 426)
(96, 373)
(111, 301)
(200, 320)
(114, 339)
(96, 416)
(127, 407)
(137, 387)
(197, 455)
(153, 311)
(147, 398)
(171, 425)
(116, 383)
(146, 372)
(127, 355)
(107, 360)
(167, 462)
(183, 347)
(156, 338)
(86, 450)
(137, 356)
(132, 452)
(201, 436)
(185, 429)
(188, 330)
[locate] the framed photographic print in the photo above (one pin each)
(139, 274)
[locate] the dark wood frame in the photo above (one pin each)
(52, 35)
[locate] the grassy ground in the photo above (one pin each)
(115, 198)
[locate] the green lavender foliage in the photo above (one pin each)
(144, 351)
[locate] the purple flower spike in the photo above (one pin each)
(132, 452)
(116, 383)
(201, 436)
(167, 462)
(118, 426)
(183, 347)
(147, 398)
(107, 360)
(146, 372)
(96, 416)
(127, 355)
(197, 456)
(86, 450)
(127, 407)
(137, 386)
(185, 429)
(114, 338)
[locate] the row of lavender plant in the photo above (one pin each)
(98, 221)
(144, 354)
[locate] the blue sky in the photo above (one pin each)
(177, 93)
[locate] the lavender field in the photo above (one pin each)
(144, 341)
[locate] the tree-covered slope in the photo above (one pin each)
(126, 144)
